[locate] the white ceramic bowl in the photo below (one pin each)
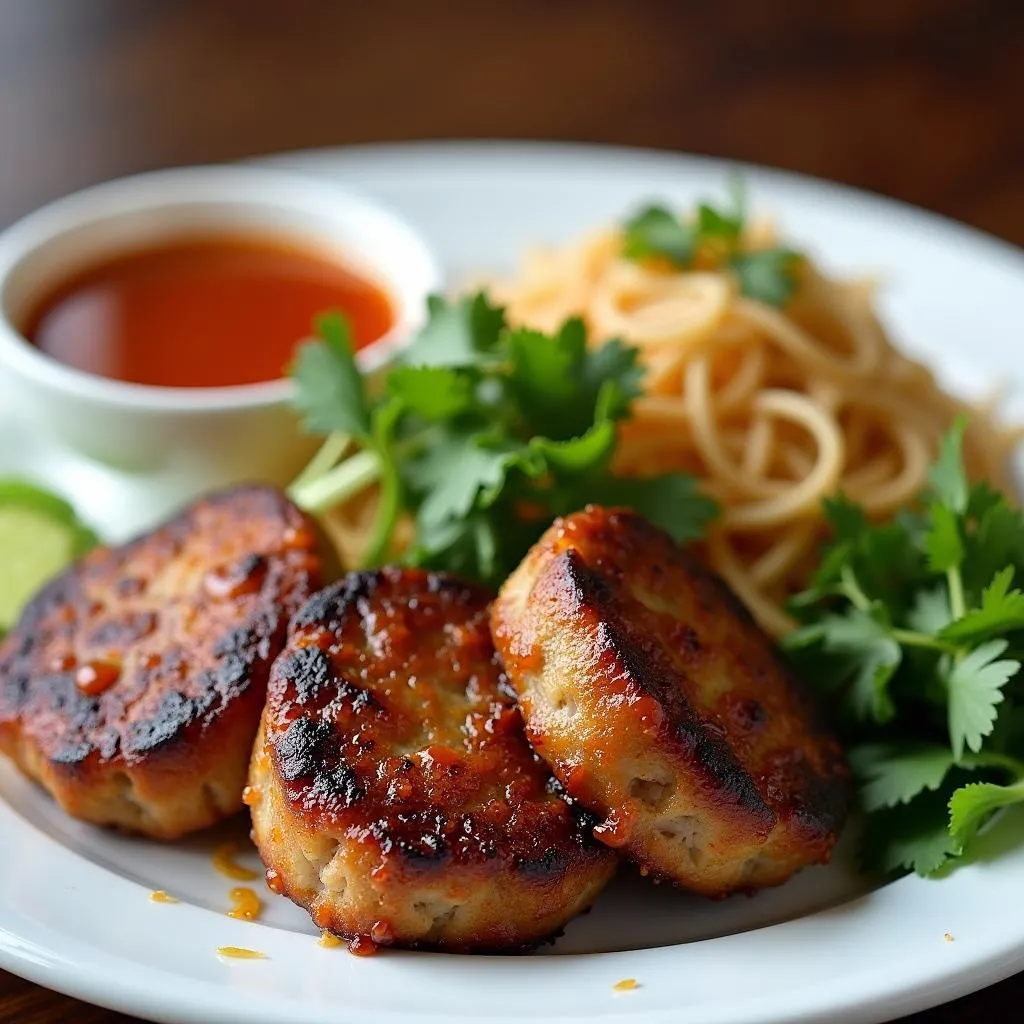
(187, 440)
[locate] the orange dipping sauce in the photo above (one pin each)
(202, 312)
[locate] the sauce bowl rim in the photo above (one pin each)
(215, 185)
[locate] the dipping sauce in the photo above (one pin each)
(202, 311)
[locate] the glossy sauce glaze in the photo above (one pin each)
(363, 945)
(390, 734)
(201, 311)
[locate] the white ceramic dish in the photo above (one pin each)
(74, 907)
(185, 440)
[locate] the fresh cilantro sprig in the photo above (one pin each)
(654, 232)
(915, 630)
(481, 434)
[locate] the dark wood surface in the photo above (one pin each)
(919, 99)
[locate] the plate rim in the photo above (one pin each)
(523, 149)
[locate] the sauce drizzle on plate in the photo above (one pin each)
(225, 864)
(240, 953)
(245, 904)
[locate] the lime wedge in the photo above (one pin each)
(40, 534)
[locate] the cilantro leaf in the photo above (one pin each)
(466, 547)
(545, 371)
(870, 656)
(578, 455)
(672, 502)
(768, 275)
(982, 499)
(335, 331)
(1002, 609)
(610, 377)
(850, 529)
(561, 388)
(938, 583)
(712, 223)
(848, 520)
(725, 224)
(947, 478)
(886, 562)
(655, 231)
(943, 546)
(806, 638)
(892, 774)
(974, 684)
(456, 333)
(330, 395)
(972, 805)
(930, 613)
(997, 540)
(432, 392)
(458, 474)
(913, 836)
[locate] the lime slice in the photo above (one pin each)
(39, 535)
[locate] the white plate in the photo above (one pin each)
(74, 907)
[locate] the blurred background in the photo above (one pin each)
(919, 99)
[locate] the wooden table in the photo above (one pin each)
(919, 99)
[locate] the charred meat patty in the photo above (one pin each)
(662, 707)
(133, 685)
(394, 795)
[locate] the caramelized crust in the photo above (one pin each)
(133, 685)
(661, 706)
(394, 794)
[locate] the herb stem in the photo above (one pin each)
(388, 511)
(911, 638)
(325, 459)
(852, 589)
(389, 508)
(355, 474)
(993, 759)
(352, 476)
(955, 582)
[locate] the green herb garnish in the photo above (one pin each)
(915, 630)
(481, 433)
(768, 275)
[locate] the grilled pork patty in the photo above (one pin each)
(394, 794)
(662, 707)
(133, 685)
